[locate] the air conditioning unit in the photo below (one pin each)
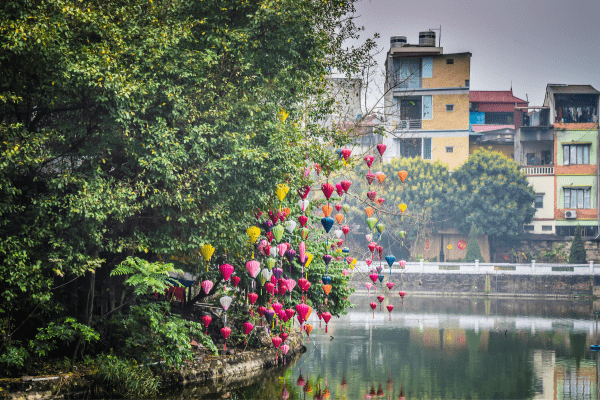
(570, 214)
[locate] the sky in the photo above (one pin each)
(529, 42)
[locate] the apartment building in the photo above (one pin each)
(557, 148)
(427, 101)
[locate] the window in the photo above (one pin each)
(547, 228)
(528, 228)
(576, 198)
(576, 154)
(474, 107)
(467, 81)
(415, 148)
(449, 60)
(449, 107)
(539, 201)
(570, 230)
(449, 149)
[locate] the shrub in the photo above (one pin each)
(118, 378)
(578, 255)
(473, 251)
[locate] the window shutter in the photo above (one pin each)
(427, 149)
(427, 67)
(427, 107)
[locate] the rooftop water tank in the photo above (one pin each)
(427, 39)
(397, 41)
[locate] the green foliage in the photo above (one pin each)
(578, 254)
(67, 332)
(492, 193)
(13, 358)
(147, 277)
(151, 334)
(119, 378)
(473, 251)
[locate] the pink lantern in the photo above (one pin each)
(402, 293)
(247, 327)
(326, 317)
(284, 349)
(390, 308)
(369, 285)
(225, 331)
(206, 285)
(380, 298)
(374, 277)
(282, 248)
(235, 280)
(206, 319)
(302, 310)
(369, 160)
(226, 271)
(276, 307)
(345, 185)
(381, 148)
(402, 263)
(253, 268)
(373, 307)
(302, 252)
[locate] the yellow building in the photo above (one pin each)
(427, 101)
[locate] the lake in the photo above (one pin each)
(443, 348)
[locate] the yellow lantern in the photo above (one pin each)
(281, 191)
(402, 208)
(253, 232)
(207, 251)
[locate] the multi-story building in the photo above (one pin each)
(557, 147)
(492, 116)
(427, 101)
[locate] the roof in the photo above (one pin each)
(573, 89)
(494, 96)
(487, 128)
(576, 126)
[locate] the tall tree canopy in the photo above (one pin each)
(493, 194)
(149, 127)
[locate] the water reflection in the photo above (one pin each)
(444, 348)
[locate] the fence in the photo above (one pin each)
(531, 268)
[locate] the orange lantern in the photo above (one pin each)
(402, 175)
(327, 209)
(327, 289)
(308, 329)
(310, 310)
(369, 211)
(381, 177)
(339, 218)
(287, 211)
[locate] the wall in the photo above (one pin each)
(445, 120)
(506, 149)
(435, 242)
(544, 185)
(460, 152)
(453, 75)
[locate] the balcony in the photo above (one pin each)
(532, 171)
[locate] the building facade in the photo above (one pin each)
(427, 101)
(557, 148)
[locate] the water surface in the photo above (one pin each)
(442, 348)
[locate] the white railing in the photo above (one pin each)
(531, 268)
(538, 170)
(410, 124)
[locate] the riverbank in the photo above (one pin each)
(205, 370)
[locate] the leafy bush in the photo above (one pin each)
(67, 332)
(13, 358)
(146, 277)
(151, 334)
(118, 378)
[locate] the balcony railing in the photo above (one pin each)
(410, 124)
(538, 170)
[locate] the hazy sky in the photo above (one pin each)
(528, 42)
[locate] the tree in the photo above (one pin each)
(473, 251)
(146, 128)
(578, 254)
(493, 194)
(427, 191)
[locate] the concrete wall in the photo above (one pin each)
(449, 75)
(460, 150)
(506, 149)
(445, 120)
(435, 243)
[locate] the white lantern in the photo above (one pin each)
(266, 274)
(225, 302)
(303, 204)
(290, 225)
(274, 251)
(338, 233)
